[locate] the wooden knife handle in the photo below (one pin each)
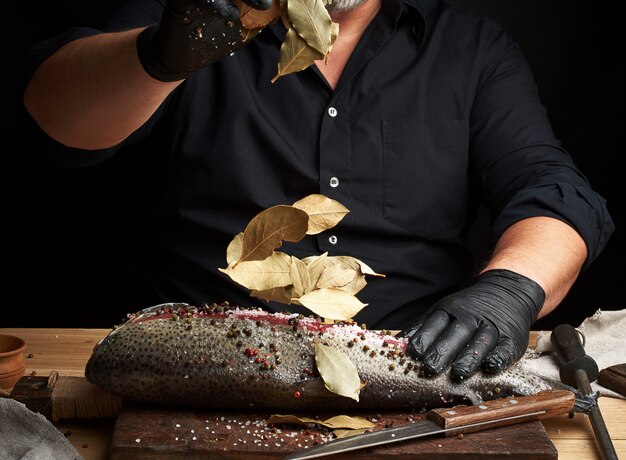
(614, 378)
(489, 414)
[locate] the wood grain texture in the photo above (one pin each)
(536, 407)
(65, 397)
(67, 351)
(62, 350)
(614, 378)
(144, 433)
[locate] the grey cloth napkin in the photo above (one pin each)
(605, 342)
(26, 435)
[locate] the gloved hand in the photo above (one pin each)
(191, 35)
(486, 323)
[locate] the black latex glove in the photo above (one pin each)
(484, 324)
(191, 35)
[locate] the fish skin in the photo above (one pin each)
(222, 357)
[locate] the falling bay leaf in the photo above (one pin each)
(331, 303)
(295, 55)
(324, 212)
(267, 230)
(314, 27)
(253, 19)
(300, 277)
(315, 267)
(338, 271)
(354, 286)
(311, 21)
(339, 374)
(260, 275)
(366, 270)
(342, 271)
(325, 285)
(334, 33)
(233, 251)
(249, 34)
(280, 294)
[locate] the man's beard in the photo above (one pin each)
(338, 6)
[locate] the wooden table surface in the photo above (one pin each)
(67, 351)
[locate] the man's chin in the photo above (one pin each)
(341, 6)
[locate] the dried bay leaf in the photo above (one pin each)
(278, 419)
(343, 433)
(312, 31)
(249, 34)
(331, 303)
(366, 270)
(300, 277)
(334, 33)
(295, 55)
(340, 421)
(280, 294)
(267, 230)
(311, 21)
(324, 212)
(335, 277)
(354, 286)
(233, 251)
(339, 374)
(325, 285)
(315, 267)
(253, 19)
(346, 421)
(340, 271)
(259, 275)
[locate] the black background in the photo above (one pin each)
(69, 238)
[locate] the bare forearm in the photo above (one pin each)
(545, 250)
(92, 83)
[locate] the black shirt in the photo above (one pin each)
(435, 114)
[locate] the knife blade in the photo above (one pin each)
(454, 421)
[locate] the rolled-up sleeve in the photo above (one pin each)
(136, 13)
(523, 169)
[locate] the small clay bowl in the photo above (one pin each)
(12, 364)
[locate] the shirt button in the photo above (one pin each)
(332, 112)
(332, 239)
(334, 182)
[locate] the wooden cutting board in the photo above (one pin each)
(143, 433)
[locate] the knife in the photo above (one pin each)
(454, 421)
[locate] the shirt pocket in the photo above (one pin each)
(425, 174)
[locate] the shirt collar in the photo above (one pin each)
(425, 8)
(421, 13)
